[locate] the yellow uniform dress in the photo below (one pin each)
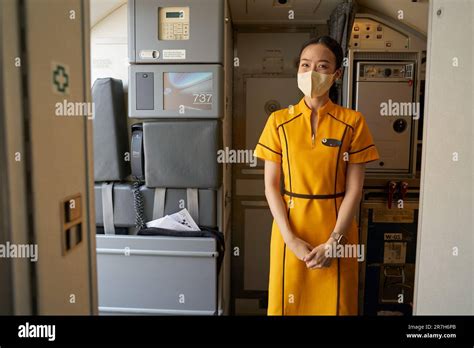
(314, 176)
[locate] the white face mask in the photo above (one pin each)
(314, 84)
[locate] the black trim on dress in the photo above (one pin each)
(301, 195)
(334, 117)
(365, 148)
(284, 248)
(289, 120)
(335, 206)
(265, 146)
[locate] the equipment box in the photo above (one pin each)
(157, 275)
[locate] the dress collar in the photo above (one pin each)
(323, 110)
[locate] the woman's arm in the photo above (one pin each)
(352, 197)
(278, 208)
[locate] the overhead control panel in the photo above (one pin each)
(379, 70)
(368, 34)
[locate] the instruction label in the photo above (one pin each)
(393, 215)
(174, 54)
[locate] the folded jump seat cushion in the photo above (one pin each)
(110, 131)
(182, 153)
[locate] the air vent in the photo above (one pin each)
(385, 55)
(283, 3)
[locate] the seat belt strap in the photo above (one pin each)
(193, 203)
(159, 203)
(108, 207)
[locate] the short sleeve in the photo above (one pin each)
(269, 146)
(362, 148)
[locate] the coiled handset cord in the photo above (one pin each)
(139, 205)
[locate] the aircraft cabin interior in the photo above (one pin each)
(136, 137)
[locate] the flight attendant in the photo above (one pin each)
(321, 149)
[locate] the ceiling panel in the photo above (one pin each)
(102, 8)
(276, 12)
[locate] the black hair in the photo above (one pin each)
(335, 48)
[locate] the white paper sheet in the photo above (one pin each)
(180, 221)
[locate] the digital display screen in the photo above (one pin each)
(187, 90)
(174, 14)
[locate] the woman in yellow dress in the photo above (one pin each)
(320, 149)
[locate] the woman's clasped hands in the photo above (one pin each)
(314, 257)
